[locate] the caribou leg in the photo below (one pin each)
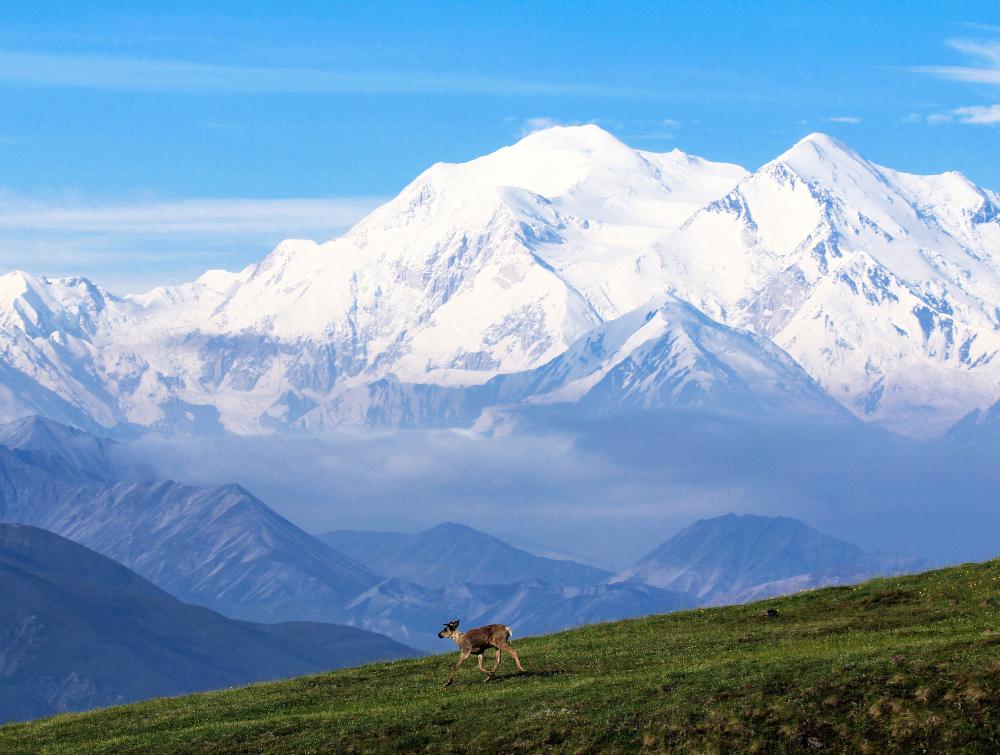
(513, 654)
(483, 668)
(461, 660)
(497, 664)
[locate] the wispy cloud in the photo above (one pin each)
(851, 119)
(939, 118)
(663, 130)
(540, 123)
(135, 74)
(986, 54)
(981, 27)
(134, 246)
(978, 114)
(187, 216)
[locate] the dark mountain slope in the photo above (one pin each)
(219, 547)
(78, 630)
(413, 614)
(452, 553)
(732, 558)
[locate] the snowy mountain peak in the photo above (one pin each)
(516, 272)
(41, 306)
(587, 139)
(828, 161)
(581, 163)
(822, 145)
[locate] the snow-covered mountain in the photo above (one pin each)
(667, 355)
(881, 286)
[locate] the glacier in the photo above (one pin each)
(565, 269)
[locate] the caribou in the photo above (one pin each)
(476, 642)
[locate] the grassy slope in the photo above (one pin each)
(896, 664)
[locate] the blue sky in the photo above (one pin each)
(142, 143)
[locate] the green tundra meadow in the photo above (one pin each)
(905, 664)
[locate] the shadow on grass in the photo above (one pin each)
(530, 674)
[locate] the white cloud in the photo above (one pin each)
(671, 123)
(852, 119)
(134, 74)
(310, 217)
(963, 73)
(978, 114)
(986, 53)
(135, 246)
(540, 123)
(981, 27)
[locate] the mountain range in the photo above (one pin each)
(78, 630)
(566, 269)
(722, 560)
(224, 549)
(219, 547)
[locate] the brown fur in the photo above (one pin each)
(476, 642)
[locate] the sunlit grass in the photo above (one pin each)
(900, 664)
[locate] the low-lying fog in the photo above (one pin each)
(608, 491)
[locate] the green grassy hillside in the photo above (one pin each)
(903, 664)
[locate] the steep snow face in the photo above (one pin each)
(669, 354)
(39, 307)
(474, 270)
(490, 266)
(48, 329)
(881, 284)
